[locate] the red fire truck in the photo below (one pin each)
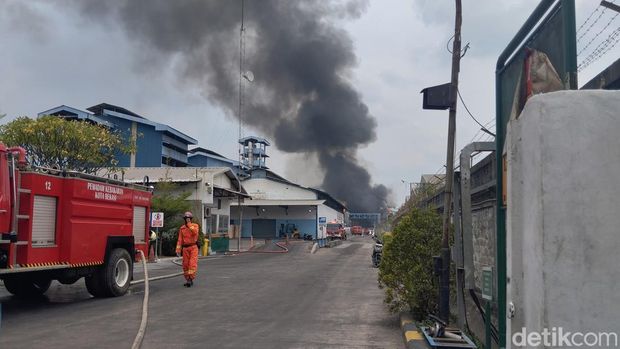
(62, 225)
(336, 230)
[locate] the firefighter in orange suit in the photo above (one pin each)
(186, 244)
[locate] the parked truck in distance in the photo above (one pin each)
(63, 225)
(357, 230)
(336, 230)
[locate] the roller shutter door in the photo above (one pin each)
(139, 224)
(264, 228)
(44, 221)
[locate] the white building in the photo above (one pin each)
(212, 190)
(279, 207)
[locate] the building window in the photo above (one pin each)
(223, 224)
(208, 228)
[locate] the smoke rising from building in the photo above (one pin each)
(301, 97)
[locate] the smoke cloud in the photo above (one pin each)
(301, 98)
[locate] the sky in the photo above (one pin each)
(51, 56)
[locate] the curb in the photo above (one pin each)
(414, 339)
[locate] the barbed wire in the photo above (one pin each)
(598, 34)
(596, 9)
(602, 49)
(487, 126)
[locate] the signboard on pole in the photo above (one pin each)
(157, 219)
(487, 283)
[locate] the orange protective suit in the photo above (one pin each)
(187, 243)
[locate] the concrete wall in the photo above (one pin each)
(222, 181)
(221, 216)
(562, 214)
(483, 231)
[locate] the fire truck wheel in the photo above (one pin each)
(27, 287)
(117, 272)
(112, 279)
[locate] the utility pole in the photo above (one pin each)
(241, 53)
(444, 283)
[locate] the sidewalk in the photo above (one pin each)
(245, 244)
(163, 267)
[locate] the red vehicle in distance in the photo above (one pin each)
(336, 230)
(357, 230)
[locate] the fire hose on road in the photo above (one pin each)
(137, 342)
(140, 335)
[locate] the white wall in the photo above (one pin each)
(563, 212)
(276, 212)
(265, 189)
(222, 181)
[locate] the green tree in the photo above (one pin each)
(71, 145)
(173, 204)
(406, 269)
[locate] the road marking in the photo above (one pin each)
(413, 335)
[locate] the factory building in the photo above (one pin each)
(278, 206)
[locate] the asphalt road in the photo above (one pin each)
(294, 300)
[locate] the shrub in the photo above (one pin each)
(169, 242)
(406, 270)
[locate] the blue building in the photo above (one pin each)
(201, 157)
(157, 145)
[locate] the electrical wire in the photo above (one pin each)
(484, 129)
(463, 51)
(448, 44)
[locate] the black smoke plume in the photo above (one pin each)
(300, 98)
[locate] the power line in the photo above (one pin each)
(484, 129)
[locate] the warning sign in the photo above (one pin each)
(157, 219)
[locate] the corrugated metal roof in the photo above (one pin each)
(175, 175)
